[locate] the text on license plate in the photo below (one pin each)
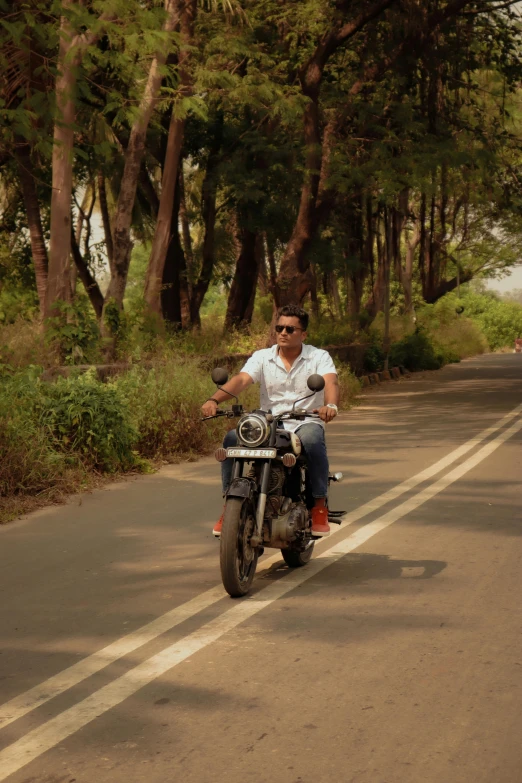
(252, 453)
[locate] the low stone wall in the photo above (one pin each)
(352, 354)
(349, 354)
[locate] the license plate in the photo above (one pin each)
(252, 453)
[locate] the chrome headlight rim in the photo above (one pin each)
(253, 418)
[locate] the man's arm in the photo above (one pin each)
(331, 396)
(235, 386)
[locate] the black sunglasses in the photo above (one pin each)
(290, 329)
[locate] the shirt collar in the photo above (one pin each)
(305, 352)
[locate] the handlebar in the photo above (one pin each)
(298, 413)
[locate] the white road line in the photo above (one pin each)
(29, 700)
(54, 731)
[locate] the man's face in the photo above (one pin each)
(284, 338)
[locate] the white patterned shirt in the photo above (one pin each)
(280, 387)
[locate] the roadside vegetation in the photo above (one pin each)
(60, 436)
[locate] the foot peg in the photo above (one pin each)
(335, 477)
(336, 517)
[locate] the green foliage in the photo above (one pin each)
(415, 352)
(500, 320)
(30, 464)
(373, 358)
(454, 335)
(89, 420)
(165, 403)
(73, 332)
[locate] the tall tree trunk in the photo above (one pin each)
(294, 279)
(89, 281)
(399, 217)
(131, 172)
(162, 234)
(359, 254)
(262, 280)
(34, 222)
(272, 269)
(260, 255)
(106, 219)
(173, 271)
(187, 276)
(70, 53)
(376, 301)
(207, 267)
(208, 199)
(170, 169)
(331, 291)
(185, 225)
(412, 243)
(242, 292)
(58, 283)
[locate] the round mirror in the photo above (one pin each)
(315, 383)
(219, 376)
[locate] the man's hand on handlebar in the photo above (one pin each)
(209, 408)
(326, 413)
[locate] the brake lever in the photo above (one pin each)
(215, 416)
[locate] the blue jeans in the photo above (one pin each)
(314, 449)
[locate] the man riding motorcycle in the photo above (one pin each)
(282, 372)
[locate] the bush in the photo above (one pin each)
(91, 420)
(30, 464)
(499, 320)
(454, 336)
(373, 360)
(416, 352)
(166, 407)
(349, 384)
(74, 332)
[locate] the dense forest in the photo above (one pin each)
(320, 151)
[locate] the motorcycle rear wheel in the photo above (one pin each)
(238, 560)
(296, 558)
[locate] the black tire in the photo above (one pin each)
(237, 559)
(295, 558)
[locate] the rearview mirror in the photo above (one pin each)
(315, 382)
(219, 376)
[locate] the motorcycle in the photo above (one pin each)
(269, 499)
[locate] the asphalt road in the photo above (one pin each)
(395, 656)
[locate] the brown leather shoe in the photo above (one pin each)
(320, 526)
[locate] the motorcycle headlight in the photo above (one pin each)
(253, 430)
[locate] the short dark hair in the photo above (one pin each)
(293, 311)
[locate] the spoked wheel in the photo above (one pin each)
(296, 558)
(238, 558)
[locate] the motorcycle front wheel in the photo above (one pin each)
(297, 558)
(238, 559)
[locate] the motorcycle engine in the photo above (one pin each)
(276, 480)
(290, 527)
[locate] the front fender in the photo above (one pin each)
(241, 488)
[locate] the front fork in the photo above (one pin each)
(237, 472)
(261, 501)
